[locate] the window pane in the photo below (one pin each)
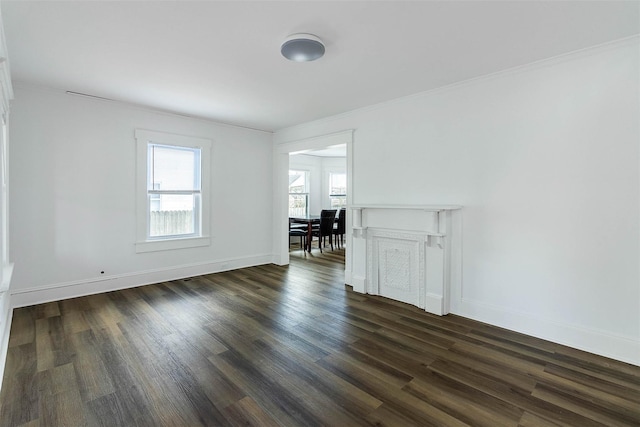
(338, 202)
(172, 214)
(174, 168)
(297, 181)
(298, 204)
(338, 183)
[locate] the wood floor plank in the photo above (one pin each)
(74, 322)
(279, 373)
(391, 416)
(220, 391)
(329, 405)
(246, 413)
(127, 376)
(594, 384)
(532, 420)
(73, 304)
(51, 345)
(60, 400)
(46, 310)
(606, 413)
(44, 350)
(465, 403)
(319, 382)
(288, 409)
(514, 377)
(108, 411)
(23, 328)
(20, 405)
(172, 388)
(505, 392)
(372, 367)
(297, 344)
(291, 346)
(92, 376)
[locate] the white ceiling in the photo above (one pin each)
(221, 61)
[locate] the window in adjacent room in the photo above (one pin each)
(173, 176)
(298, 193)
(338, 190)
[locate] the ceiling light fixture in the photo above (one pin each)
(302, 48)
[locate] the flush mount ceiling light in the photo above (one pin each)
(302, 48)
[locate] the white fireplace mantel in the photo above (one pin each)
(409, 253)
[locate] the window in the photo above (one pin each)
(338, 190)
(298, 193)
(173, 187)
(172, 206)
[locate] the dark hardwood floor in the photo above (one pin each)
(293, 346)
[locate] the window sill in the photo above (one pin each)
(170, 244)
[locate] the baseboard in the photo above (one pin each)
(624, 349)
(60, 291)
(279, 260)
(359, 284)
(348, 277)
(433, 304)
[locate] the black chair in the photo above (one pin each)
(340, 228)
(325, 229)
(299, 232)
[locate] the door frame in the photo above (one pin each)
(281, 190)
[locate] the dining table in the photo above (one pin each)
(309, 220)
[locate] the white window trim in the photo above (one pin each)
(143, 242)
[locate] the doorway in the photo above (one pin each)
(321, 146)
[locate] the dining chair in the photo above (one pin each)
(298, 232)
(325, 228)
(340, 228)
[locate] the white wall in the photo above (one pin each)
(545, 161)
(73, 197)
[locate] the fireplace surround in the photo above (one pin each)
(409, 253)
